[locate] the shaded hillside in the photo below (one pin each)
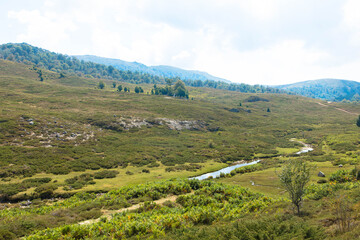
(161, 71)
(328, 89)
(64, 64)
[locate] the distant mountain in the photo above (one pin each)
(132, 72)
(161, 71)
(328, 89)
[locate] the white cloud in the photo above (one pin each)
(48, 29)
(259, 41)
(352, 20)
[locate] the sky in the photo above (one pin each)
(266, 42)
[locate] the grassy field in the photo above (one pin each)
(65, 129)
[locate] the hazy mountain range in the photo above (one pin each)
(134, 72)
(328, 89)
(162, 70)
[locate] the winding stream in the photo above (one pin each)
(216, 174)
(224, 170)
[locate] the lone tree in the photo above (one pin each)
(180, 90)
(294, 176)
(101, 85)
(119, 88)
(358, 122)
(114, 84)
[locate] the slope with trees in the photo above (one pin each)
(61, 63)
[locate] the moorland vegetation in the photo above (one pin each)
(72, 153)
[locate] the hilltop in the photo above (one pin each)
(327, 89)
(161, 71)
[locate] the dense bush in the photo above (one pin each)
(211, 202)
(278, 227)
(342, 176)
(8, 190)
(106, 174)
(78, 182)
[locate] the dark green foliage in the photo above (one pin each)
(279, 227)
(178, 90)
(62, 75)
(342, 176)
(101, 85)
(268, 110)
(138, 89)
(119, 88)
(344, 147)
(256, 99)
(106, 174)
(321, 181)
(78, 182)
(358, 122)
(191, 167)
(145, 170)
(114, 84)
(8, 190)
(46, 190)
(6, 234)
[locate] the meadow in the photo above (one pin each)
(72, 149)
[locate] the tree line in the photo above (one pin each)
(62, 64)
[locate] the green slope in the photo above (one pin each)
(57, 136)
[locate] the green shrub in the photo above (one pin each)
(106, 174)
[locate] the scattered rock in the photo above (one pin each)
(321, 174)
(31, 123)
(340, 165)
(26, 204)
(234, 110)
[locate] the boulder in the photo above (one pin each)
(321, 174)
(340, 165)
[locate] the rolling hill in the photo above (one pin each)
(80, 162)
(327, 89)
(161, 71)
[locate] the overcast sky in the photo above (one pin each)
(249, 41)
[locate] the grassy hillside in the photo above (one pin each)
(63, 135)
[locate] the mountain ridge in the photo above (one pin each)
(159, 70)
(330, 89)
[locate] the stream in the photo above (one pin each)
(216, 174)
(224, 170)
